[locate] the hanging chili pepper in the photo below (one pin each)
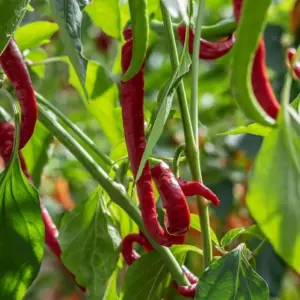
(7, 139)
(208, 50)
(177, 217)
(14, 67)
(130, 256)
(290, 55)
(261, 85)
(132, 101)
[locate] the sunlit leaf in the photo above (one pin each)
(102, 10)
(68, 15)
(274, 192)
(89, 242)
(43, 31)
(231, 277)
(21, 233)
(11, 15)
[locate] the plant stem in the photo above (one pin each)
(195, 72)
(258, 248)
(191, 149)
(224, 28)
(76, 130)
(113, 189)
(45, 61)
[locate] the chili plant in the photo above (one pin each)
(149, 149)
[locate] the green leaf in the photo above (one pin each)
(165, 100)
(146, 278)
(195, 224)
(101, 101)
(43, 31)
(255, 128)
(178, 249)
(37, 55)
(36, 152)
(89, 242)
(68, 15)
(296, 104)
(102, 10)
(126, 224)
(248, 34)
(140, 34)
(233, 234)
(21, 233)
(30, 8)
(274, 190)
(230, 236)
(111, 291)
(231, 277)
(11, 15)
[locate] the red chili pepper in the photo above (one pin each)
(291, 52)
(132, 101)
(103, 42)
(130, 256)
(261, 85)
(192, 188)
(177, 217)
(208, 50)
(51, 232)
(13, 65)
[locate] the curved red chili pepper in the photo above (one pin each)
(208, 50)
(132, 101)
(130, 256)
(192, 188)
(261, 85)
(7, 138)
(177, 217)
(13, 65)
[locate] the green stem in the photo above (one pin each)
(224, 28)
(45, 61)
(195, 71)
(106, 159)
(258, 248)
(191, 149)
(113, 189)
(176, 160)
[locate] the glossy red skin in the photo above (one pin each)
(208, 50)
(13, 65)
(192, 188)
(7, 131)
(132, 101)
(296, 70)
(187, 290)
(290, 54)
(129, 254)
(261, 85)
(177, 217)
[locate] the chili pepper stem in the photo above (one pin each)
(192, 153)
(195, 71)
(113, 189)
